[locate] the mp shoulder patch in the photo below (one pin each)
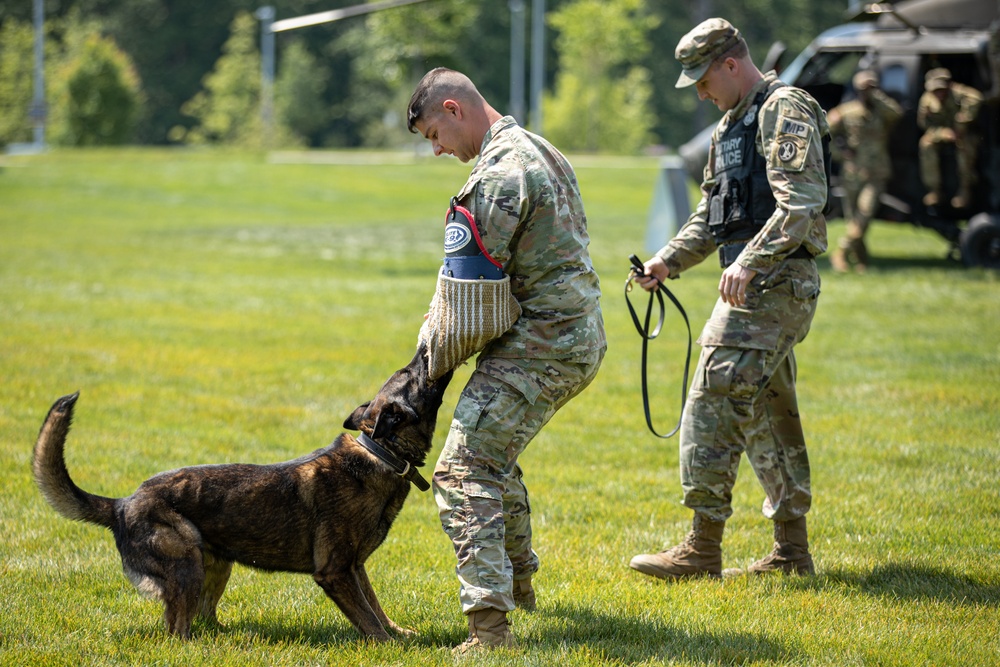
(791, 144)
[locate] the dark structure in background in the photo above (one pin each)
(901, 42)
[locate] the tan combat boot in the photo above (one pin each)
(838, 260)
(961, 199)
(699, 555)
(791, 550)
(861, 253)
(488, 629)
(524, 594)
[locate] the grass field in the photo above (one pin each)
(217, 307)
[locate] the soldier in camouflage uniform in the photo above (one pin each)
(947, 112)
(860, 139)
(764, 192)
(525, 200)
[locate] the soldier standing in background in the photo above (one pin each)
(763, 199)
(524, 202)
(859, 130)
(947, 112)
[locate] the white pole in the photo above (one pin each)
(38, 111)
(537, 63)
(517, 60)
(266, 16)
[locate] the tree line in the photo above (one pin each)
(184, 71)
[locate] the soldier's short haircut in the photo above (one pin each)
(438, 85)
(737, 51)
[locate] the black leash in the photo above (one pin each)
(643, 329)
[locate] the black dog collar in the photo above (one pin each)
(401, 468)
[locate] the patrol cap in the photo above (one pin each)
(864, 79)
(937, 79)
(697, 50)
(938, 73)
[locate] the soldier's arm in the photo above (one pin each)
(969, 100)
(922, 112)
(791, 137)
(498, 201)
(888, 107)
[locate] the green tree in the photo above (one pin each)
(391, 50)
(227, 109)
(16, 81)
(97, 95)
(298, 93)
(602, 98)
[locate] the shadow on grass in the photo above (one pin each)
(614, 637)
(327, 634)
(905, 581)
(632, 639)
(894, 264)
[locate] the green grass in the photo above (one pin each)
(217, 307)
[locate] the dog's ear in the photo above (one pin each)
(353, 423)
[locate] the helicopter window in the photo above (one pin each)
(828, 74)
(894, 81)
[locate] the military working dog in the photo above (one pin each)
(324, 513)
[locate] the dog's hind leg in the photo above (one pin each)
(161, 550)
(342, 585)
(180, 595)
(217, 573)
(366, 588)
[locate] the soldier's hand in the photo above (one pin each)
(656, 273)
(733, 285)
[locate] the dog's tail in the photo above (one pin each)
(52, 477)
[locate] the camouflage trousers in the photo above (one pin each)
(861, 200)
(478, 484)
(930, 157)
(742, 399)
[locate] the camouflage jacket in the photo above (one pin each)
(960, 107)
(795, 171)
(860, 133)
(525, 199)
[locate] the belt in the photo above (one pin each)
(729, 252)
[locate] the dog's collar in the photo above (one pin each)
(401, 468)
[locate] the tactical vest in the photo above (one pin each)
(742, 200)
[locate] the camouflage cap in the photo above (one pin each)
(938, 73)
(936, 84)
(698, 49)
(864, 80)
(938, 78)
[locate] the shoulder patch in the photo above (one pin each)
(790, 126)
(789, 152)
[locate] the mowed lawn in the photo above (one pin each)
(216, 307)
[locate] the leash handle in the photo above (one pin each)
(644, 332)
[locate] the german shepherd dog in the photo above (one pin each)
(324, 513)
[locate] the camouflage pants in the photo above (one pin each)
(861, 200)
(930, 157)
(478, 484)
(742, 399)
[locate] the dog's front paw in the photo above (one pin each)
(401, 632)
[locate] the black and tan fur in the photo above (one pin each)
(324, 513)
